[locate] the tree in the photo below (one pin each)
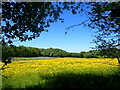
(26, 20)
(105, 17)
(111, 53)
(7, 54)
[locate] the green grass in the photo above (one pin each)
(62, 73)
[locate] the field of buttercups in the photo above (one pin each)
(37, 73)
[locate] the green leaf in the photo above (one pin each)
(73, 11)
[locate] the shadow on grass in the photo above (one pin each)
(83, 81)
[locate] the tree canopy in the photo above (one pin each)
(105, 18)
(26, 20)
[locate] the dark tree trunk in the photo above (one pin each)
(118, 60)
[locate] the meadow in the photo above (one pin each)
(92, 73)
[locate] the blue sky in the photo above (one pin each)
(76, 40)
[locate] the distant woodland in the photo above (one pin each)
(23, 51)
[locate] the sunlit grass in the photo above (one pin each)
(25, 74)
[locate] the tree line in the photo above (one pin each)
(23, 51)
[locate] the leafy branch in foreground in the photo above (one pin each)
(27, 20)
(105, 18)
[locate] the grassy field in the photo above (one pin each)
(62, 73)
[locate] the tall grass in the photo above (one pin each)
(62, 73)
